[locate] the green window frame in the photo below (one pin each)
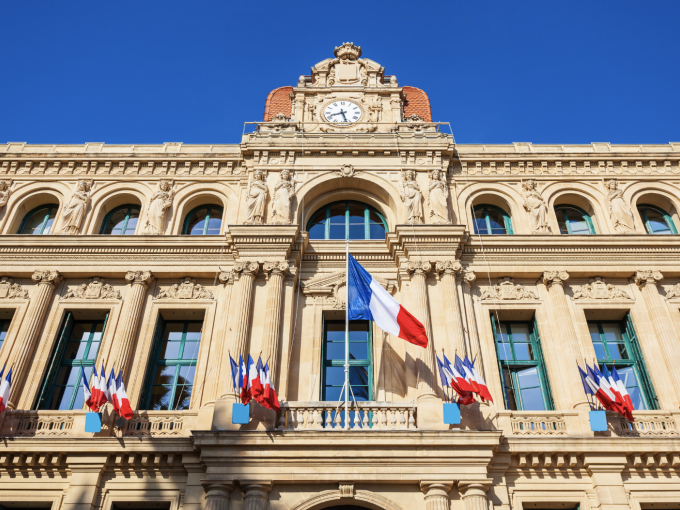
(4, 328)
(172, 366)
(358, 221)
(360, 360)
(522, 366)
(127, 228)
(75, 352)
(211, 213)
(486, 220)
(566, 221)
(49, 212)
(646, 211)
(616, 344)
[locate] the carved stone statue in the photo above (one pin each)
(161, 200)
(619, 211)
(536, 207)
(5, 192)
(75, 209)
(437, 193)
(283, 196)
(256, 198)
(412, 198)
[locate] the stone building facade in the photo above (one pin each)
(163, 261)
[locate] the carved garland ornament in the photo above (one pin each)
(597, 288)
(96, 289)
(11, 290)
(507, 289)
(187, 288)
(671, 292)
(347, 170)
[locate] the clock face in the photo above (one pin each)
(342, 112)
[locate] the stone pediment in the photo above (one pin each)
(332, 287)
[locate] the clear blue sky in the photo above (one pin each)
(500, 71)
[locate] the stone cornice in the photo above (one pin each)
(426, 242)
(264, 241)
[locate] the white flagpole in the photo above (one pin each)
(347, 335)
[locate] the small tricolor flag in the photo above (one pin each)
(608, 388)
(4, 388)
(254, 383)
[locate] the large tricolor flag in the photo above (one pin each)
(121, 397)
(367, 300)
(4, 389)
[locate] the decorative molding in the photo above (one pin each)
(597, 288)
(469, 277)
(447, 267)
(418, 267)
(329, 288)
(347, 170)
(647, 276)
(507, 289)
(187, 288)
(673, 292)
(96, 289)
(51, 277)
(140, 277)
(324, 498)
(11, 290)
(558, 277)
(245, 268)
(346, 489)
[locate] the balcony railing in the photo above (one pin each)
(160, 424)
(330, 416)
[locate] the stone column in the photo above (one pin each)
(425, 365)
(275, 273)
(244, 273)
(255, 494)
(661, 321)
(468, 279)
(217, 494)
(447, 271)
(436, 494)
(473, 494)
(129, 318)
(571, 354)
(22, 354)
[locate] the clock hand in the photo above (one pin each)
(343, 115)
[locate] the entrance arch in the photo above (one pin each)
(333, 500)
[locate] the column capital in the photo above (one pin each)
(436, 488)
(418, 267)
(48, 276)
(139, 277)
(277, 268)
(255, 490)
(245, 268)
(218, 487)
(468, 488)
(469, 277)
(226, 277)
(554, 277)
(647, 276)
(452, 267)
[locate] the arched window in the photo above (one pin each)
(204, 220)
(39, 221)
(347, 220)
(121, 221)
(574, 220)
(657, 221)
(490, 219)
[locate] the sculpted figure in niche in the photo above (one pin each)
(283, 196)
(535, 206)
(436, 197)
(161, 200)
(5, 192)
(412, 198)
(75, 209)
(256, 198)
(619, 210)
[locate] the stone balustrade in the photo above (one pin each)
(160, 424)
(647, 424)
(20, 423)
(329, 415)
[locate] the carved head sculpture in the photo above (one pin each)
(258, 175)
(164, 185)
(4, 185)
(435, 175)
(84, 185)
(612, 184)
(409, 175)
(529, 185)
(285, 174)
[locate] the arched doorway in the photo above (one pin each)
(346, 507)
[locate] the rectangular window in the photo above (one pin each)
(75, 353)
(360, 356)
(521, 364)
(616, 345)
(4, 327)
(170, 378)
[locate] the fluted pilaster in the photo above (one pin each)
(436, 494)
(255, 494)
(35, 314)
(217, 495)
(473, 494)
(468, 278)
(571, 354)
(244, 273)
(275, 273)
(447, 271)
(219, 362)
(421, 310)
(129, 317)
(661, 321)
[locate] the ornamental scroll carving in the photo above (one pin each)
(507, 289)
(671, 292)
(47, 276)
(96, 289)
(74, 211)
(187, 288)
(160, 202)
(5, 191)
(597, 288)
(647, 276)
(11, 290)
(437, 195)
(535, 205)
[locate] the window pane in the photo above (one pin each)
(358, 331)
(186, 375)
(509, 390)
(338, 213)
(94, 348)
(116, 222)
(377, 231)
(160, 398)
(630, 381)
(194, 331)
(173, 331)
(215, 222)
(36, 224)
(496, 221)
(132, 222)
(373, 217)
(4, 327)
(196, 225)
(335, 350)
(657, 222)
(360, 394)
(164, 375)
(169, 350)
(68, 376)
(190, 350)
(532, 400)
(335, 376)
(337, 231)
(357, 231)
(357, 350)
(333, 393)
(577, 222)
(182, 398)
(48, 225)
(356, 213)
(335, 332)
(317, 231)
(357, 375)
(62, 398)
(528, 378)
(503, 341)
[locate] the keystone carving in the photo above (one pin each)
(11, 290)
(96, 289)
(671, 292)
(558, 277)
(597, 288)
(507, 289)
(5, 191)
(51, 277)
(186, 289)
(141, 277)
(347, 170)
(346, 490)
(650, 276)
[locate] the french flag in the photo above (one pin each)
(458, 375)
(4, 389)
(245, 393)
(254, 384)
(606, 397)
(474, 378)
(270, 396)
(111, 390)
(95, 396)
(628, 406)
(121, 397)
(235, 374)
(367, 300)
(87, 394)
(448, 379)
